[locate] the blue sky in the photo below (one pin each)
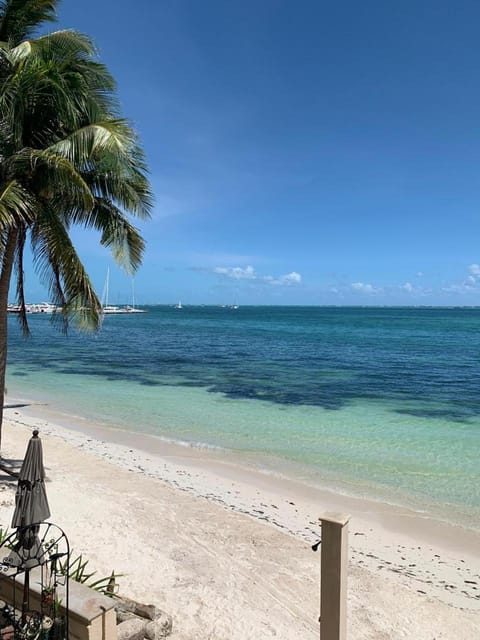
(301, 152)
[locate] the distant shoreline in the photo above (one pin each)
(291, 306)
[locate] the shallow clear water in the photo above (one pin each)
(383, 402)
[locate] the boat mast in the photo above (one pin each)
(105, 289)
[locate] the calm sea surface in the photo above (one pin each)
(377, 402)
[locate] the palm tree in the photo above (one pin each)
(67, 158)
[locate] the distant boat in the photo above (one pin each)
(108, 309)
(111, 308)
(132, 308)
(14, 308)
(179, 305)
(43, 307)
(39, 307)
(129, 309)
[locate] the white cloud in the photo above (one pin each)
(457, 288)
(469, 284)
(249, 273)
(420, 274)
(474, 270)
(289, 279)
(237, 273)
(408, 287)
(363, 287)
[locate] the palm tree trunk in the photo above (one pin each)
(5, 275)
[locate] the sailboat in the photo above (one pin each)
(133, 308)
(109, 308)
(114, 309)
(179, 305)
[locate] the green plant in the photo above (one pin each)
(77, 570)
(4, 533)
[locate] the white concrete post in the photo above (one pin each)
(333, 576)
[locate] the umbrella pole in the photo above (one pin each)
(26, 594)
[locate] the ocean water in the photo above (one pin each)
(375, 402)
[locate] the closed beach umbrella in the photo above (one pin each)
(31, 508)
(31, 504)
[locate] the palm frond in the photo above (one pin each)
(20, 18)
(56, 175)
(55, 97)
(64, 45)
(16, 205)
(19, 253)
(60, 268)
(69, 55)
(124, 240)
(110, 136)
(20, 52)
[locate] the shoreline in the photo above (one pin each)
(436, 564)
(228, 466)
(446, 516)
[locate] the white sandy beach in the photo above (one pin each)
(227, 551)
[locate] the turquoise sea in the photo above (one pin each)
(376, 402)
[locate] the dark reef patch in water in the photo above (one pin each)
(323, 357)
(440, 414)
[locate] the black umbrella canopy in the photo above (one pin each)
(31, 504)
(31, 508)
